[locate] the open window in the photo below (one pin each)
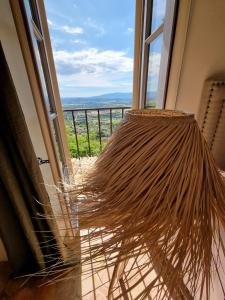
(40, 48)
(153, 39)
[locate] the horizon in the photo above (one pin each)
(105, 94)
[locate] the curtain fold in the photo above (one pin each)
(22, 193)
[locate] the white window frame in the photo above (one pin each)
(142, 42)
(37, 35)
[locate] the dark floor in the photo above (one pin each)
(33, 289)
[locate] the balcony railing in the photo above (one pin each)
(89, 129)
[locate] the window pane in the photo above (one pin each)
(33, 11)
(41, 74)
(158, 13)
(155, 49)
(57, 140)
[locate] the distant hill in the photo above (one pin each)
(114, 96)
(113, 99)
(106, 100)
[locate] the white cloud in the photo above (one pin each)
(153, 71)
(154, 63)
(77, 41)
(71, 30)
(97, 27)
(66, 28)
(130, 30)
(57, 42)
(93, 69)
(49, 22)
(92, 61)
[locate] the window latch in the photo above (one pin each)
(42, 161)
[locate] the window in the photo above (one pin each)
(156, 28)
(44, 74)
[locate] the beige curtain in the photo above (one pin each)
(22, 192)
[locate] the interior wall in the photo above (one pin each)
(14, 57)
(11, 47)
(198, 53)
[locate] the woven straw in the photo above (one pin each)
(156, 191)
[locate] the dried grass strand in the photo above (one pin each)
(156, 187)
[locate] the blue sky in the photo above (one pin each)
(92, 43)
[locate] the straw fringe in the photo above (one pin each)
(155, 190)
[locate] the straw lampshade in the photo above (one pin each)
(156, 191)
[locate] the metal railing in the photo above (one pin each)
(88, 129)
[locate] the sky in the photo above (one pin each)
(93, 43)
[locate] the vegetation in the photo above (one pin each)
(98, 135)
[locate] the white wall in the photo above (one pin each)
(203, 55)
(11, 47)
(198, 54)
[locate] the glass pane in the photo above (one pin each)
(57, 140)
(33, 11)
(154, 59)
(41, 74)
(158, 13)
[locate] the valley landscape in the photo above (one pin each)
(94, 129)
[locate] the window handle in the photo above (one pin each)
(42, 161)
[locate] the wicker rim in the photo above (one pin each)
(163, 114)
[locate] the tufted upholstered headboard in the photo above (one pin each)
(211, 118)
